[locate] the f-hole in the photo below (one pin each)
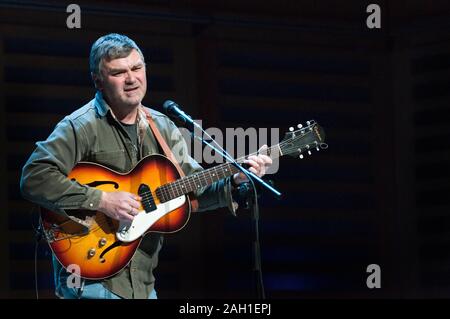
(98, 183)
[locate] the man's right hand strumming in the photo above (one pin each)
(120, 205)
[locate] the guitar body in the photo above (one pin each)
(93, 241)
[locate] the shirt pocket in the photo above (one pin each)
(116, 160)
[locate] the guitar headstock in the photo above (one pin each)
(304, 139)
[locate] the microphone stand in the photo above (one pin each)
(251, 177)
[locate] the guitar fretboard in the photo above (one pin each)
(203, 178)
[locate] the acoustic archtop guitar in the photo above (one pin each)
(101, 246)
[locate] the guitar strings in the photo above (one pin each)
(173, 187)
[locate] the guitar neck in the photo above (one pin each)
(205, 178)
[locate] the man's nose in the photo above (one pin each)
(130, 78)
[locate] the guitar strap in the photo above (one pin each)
(166, 149)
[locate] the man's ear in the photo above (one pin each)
(97, 81)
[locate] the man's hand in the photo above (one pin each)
(120, 205)
(258, 165)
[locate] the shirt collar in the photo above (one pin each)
(103, 108)
(100, 104)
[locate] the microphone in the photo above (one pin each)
(180, 118)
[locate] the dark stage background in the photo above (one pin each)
(378, 195)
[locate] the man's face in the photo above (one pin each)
(123, 82)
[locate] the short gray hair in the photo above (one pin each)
(111, 46)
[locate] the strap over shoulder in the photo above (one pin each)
(162, 142)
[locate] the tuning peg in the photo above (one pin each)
(309, 152)
(301, 156)
(299, 125)
(308, 122)
(291, 129)
(317, 148)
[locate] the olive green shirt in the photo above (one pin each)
(93, 134)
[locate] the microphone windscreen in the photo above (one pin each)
(168, 105)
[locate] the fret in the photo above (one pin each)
(221, 171)
(182, 188)
(202, 179)
(212, 176)
(224, 170)
(178, 188)
(198, 182)
(160, 195)
(216, 174)
(171, 190)
(188, 184)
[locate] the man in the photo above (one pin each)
(112, 130)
